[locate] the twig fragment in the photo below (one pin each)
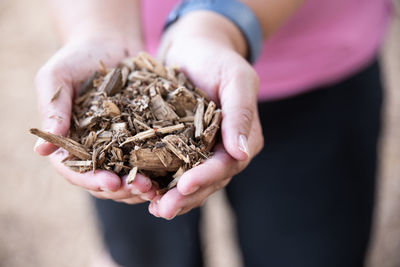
(132, 175)
(198, 119)
(68, 144)
(56, 94)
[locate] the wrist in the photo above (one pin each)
(206, 25)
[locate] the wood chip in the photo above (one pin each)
(119, 127)
(88, 84)
(209, 113)
(132, 175)
(104, 136)
(102, 68)
(141, 124)
(90, 139)
(58, 118)
(112, 83)
(57, 94)
(78, 163)
(164, 156)
(198, 119)
(94, 159)
(68, 144)
(144, 159)
(161, 109)
(111, 109)
(174, 144)
(187, 119)
(124, 75)
(86, 122)
(179, 173)
(170, 129)
(140, 136)
(210, 134)
(183, 100)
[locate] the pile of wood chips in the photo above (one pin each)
(139, 117)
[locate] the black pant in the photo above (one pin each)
(305, 200)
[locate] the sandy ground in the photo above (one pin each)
(46, 222)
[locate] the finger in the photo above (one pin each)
(101, 180)
(173, 203)
(141, 187)
(238, 97)
(168, 205)
(129, 193)
(141, 184)
(220, 166)
(55, 109)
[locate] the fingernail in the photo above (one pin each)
(39, 142)
(194, 189)
(176, 213)
(243, 146)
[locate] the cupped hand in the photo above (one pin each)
(67, 69)
(229, 80)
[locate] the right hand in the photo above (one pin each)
(71, 65)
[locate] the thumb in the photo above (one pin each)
(54, 94)
(239, 108)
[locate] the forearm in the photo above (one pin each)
(94, 18)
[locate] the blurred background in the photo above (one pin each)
(46, 222)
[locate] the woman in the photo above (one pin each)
(307, 198)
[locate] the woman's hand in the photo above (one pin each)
(71, 65)
(203, 45)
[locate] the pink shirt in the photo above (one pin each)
(323, 42)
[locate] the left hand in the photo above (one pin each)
(213, 63)
(71, 65)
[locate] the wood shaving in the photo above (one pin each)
(56, 94)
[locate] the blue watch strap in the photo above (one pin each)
(234, 10)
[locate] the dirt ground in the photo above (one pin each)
(46, 222)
